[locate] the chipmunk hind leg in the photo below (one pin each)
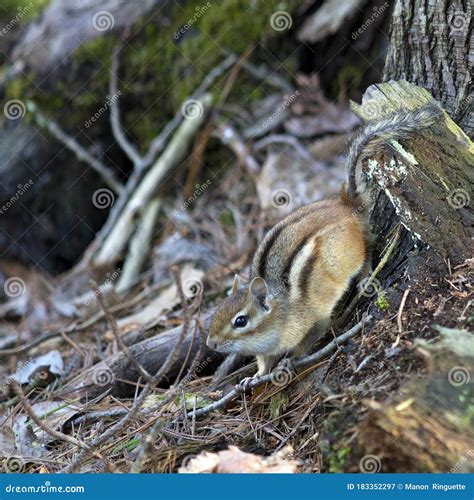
(265, 364)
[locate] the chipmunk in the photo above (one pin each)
(305, 263)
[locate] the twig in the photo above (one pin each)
(229, 136)
(120, 343)
(81, 153)
(156, 146)
(265, 74)
(115, 122)
(132, 414)
(171, 157)
(301, 363)
(139, 247)
(52, 432)
(400, 311)
(285, 139)
(147, 446)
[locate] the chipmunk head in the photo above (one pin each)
(243, 322)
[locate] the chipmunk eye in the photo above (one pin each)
(240, 321)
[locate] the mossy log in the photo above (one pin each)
(429, 426)
(426, 185)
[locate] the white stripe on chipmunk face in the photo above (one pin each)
(298, 264)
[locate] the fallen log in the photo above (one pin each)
(118, 376)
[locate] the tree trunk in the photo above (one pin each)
(432, 45)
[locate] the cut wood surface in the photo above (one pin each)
(430, 180)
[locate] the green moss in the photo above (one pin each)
(382, 302)
(337, 459)
(25, 10)
(160, 67)
(278, 403)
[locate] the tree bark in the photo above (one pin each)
(432, 45)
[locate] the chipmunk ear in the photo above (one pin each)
(237, 284)
(259, 289)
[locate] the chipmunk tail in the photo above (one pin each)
(375, 137)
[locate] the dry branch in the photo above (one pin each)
(174, 153)
(299, 364)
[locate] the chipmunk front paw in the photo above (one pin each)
(243, 386)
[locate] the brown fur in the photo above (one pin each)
(307, 261)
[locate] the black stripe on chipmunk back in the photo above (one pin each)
(306, 273)
(285, 275)
(261, 268)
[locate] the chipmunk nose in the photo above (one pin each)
(212, 344)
